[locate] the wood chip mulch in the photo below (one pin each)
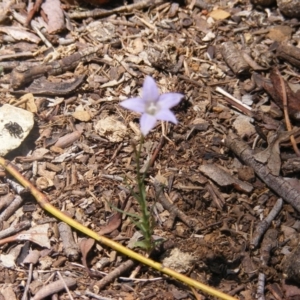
(223, 186)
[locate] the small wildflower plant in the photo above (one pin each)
(153, 107)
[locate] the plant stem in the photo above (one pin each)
(142, 199)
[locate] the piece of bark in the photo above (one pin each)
(291, 166)
(234, 58)
(54, 287)
(41, 86)
(22, 75)
(223, 178)
(289, 53)
(70, 247)
(278, 184)
(291, 265)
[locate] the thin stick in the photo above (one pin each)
(64, 283)
(235, 102)
(25, 293)
(261, 286)
(286, 115)
(125, 266)
(101, 13)
(45, 204)
(265, 224)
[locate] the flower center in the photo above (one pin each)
(152, 108)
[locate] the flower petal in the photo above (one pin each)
(147, 122)
(150, 90)
(169, 100)
(134, 104)
(166, 115)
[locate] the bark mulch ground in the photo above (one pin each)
(223, 186)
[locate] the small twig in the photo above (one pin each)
(14, 229)
(42, 37)
(135, 272)
(265, 224)
(29, 277)
(65, 285)
(16, 55)
(54, 287)
(268, 243)
(235, 102)
(261, 286)
(113, 177)
(93, 295)
(237, 289)
(101, 13)
(113, 275)
(215, 195)
(16, 186)
(189, 187)
(34, 9)
(173, 210)
(122, 278)
(197, 296)
(156, 151)
(194, 82)
(286, 113)
(281, 186)
(11, 209)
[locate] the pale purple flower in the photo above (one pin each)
(152, 105)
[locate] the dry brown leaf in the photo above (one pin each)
(85, 245)
(223, 178)
(271, 155)
(113, 223)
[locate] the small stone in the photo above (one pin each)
(179, 261)
(15, 125)
(289, 8)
